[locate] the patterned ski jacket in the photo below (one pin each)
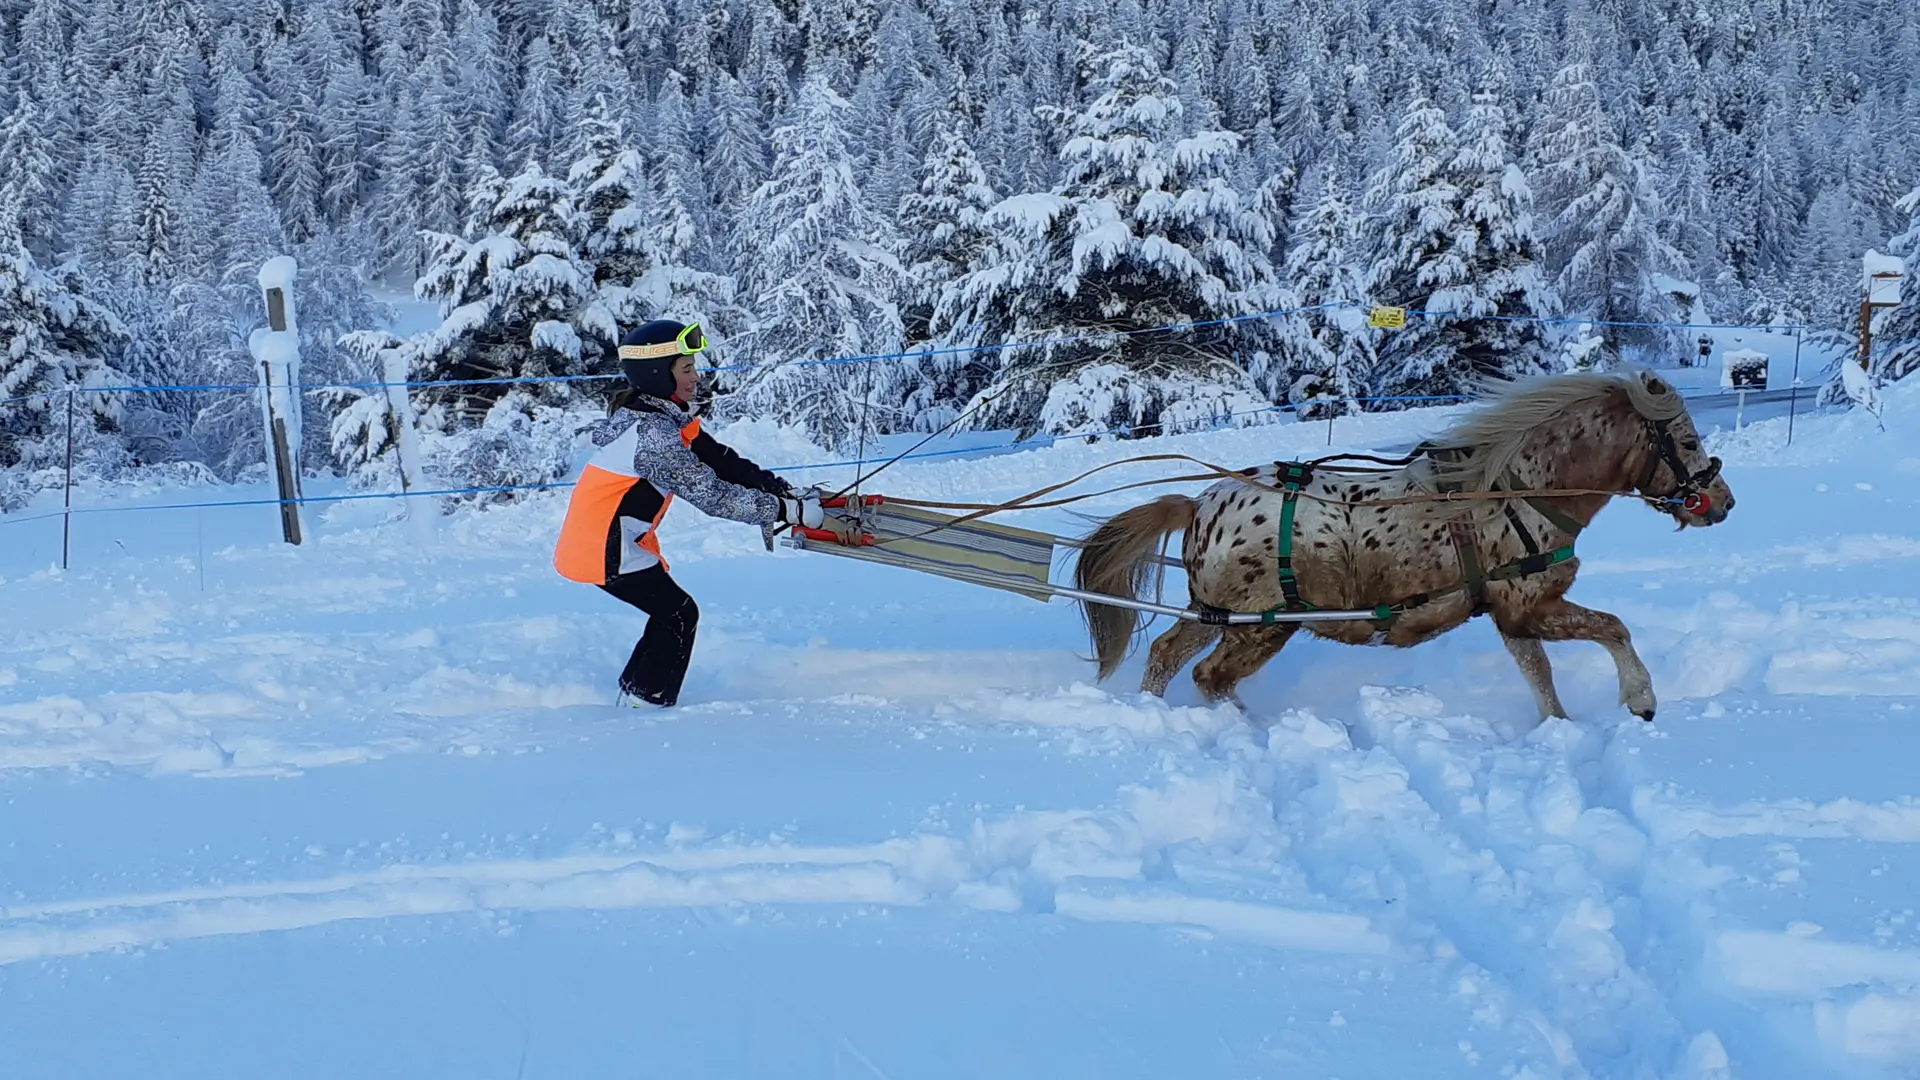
(650, 453)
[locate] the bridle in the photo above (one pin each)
(1689, 492)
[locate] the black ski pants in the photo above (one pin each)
(659, 661)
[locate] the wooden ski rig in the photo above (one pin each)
(998, 556)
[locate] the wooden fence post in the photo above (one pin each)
(277, 347)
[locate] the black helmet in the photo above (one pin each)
(648, 352)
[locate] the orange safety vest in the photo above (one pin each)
(613, 517)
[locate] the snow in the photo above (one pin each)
(363, 807)
(278, 273)
(1881, 277)
(1743, 362)
(1860, 388)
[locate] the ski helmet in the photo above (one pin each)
(648, 352)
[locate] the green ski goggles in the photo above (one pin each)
(686, 343)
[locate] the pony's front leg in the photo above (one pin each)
(1532, 658)
(1172, 650)
(1562, 620)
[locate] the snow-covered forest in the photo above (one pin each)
(829, 178)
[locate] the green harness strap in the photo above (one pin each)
(1532, 564)
(1553, 514)
(1292, 476)
(1468, 545)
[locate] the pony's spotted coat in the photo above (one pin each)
(1349, 552)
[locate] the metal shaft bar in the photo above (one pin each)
(66, 529)
(1188, 614)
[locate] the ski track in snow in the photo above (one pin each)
(1567, 888)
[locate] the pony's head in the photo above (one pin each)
(1681, 478)
(1635, 418)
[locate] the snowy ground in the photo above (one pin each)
(362, 809)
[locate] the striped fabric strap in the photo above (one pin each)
(649, 352)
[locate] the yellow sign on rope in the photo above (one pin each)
(1388, 318)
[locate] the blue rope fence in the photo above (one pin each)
(1220, 422)
(911, 354)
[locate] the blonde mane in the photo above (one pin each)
(1499, 430)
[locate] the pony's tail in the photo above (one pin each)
(1118, 561)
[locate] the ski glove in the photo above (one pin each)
(804, 510)
(807, 512)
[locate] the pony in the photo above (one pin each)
(1479, 520)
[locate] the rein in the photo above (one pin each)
(1035, 500)
(1294, 477)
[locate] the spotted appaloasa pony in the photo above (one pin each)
(1390, 541)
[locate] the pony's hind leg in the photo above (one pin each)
(1532, 658)
(1172, 650)
(1242, 651)
(1562, 620)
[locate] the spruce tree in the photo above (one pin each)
(512, 296)
(1900, 328)
(945, 223)
(819, 285)
(1601, 207)
(54, 337)
(1324, 360)
(27, 169)
(1144, 231)
(1419, 251)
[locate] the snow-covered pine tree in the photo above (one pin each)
(235, 227)
(99, 225)
(350, 121)
(592, 73)
(1419, 247)
(683, 244)
(158, 205)
(944, 223)
(693, 40)
(482, 81)
(1827, 288)
(54, 337)
(1246, 98)
(422, 186)
(236, 222)
(294, 169)
(335, 300)
(819, 284)
(1143, 232)
(610, 179)
(766, 72)
(514, 304)
(1899, 330)
(1601, 207)
(639, 236)
(1323, 361)
(46, 57)
(736, 159)
(511, 298)
(27, 168)
(1503, 274)
(363, 434)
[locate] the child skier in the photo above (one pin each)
(652, 450)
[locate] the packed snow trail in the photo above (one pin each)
(362, 809)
